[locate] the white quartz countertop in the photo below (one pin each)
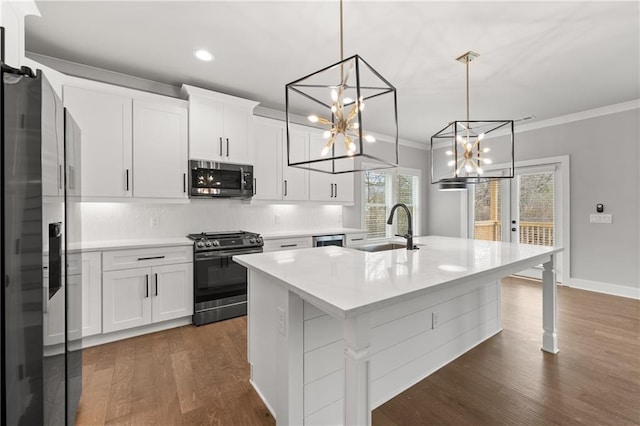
(131, 244)
(310, 233)
(345, 282)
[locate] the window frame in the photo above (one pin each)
(391, 194)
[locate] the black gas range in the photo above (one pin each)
(220, 284)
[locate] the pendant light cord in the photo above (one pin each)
(341, 35)
(467, 65)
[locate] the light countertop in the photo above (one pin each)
(345, 282)
(310, 233)
(131, 244)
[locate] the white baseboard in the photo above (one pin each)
(264, 400)
(100, 339)
(611, 289)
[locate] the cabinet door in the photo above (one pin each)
(52, 145)
(105, 122)
(320, 184)
(205, 129)
(126, 299)
(237, 121)
(74, 307)
(325, 186)
(91, 294)
(160, 143)
(267, 164)
(54, 319)
(172, 295)
(295, 180)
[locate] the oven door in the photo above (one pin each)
(217, 276)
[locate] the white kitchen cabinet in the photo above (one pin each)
(277, 244)
(219, 126)
(12, 18)
(105, 120)
(160, 141)
(52, 146)
(275, 180)
(145, 286)
(325, 186)
(91, 292)
(355, 239)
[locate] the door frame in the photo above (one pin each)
(562, 213)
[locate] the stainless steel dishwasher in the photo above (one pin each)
(328, 240)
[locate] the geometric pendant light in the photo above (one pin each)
(333, 99)
(466, 151)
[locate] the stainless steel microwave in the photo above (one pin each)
(209, 179)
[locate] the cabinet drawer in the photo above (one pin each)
(138, 258)
(356, 239)
(287, 244)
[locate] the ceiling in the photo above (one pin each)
(545, 59)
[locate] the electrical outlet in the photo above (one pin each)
(277, 219)
(155, 222)
(435, 319)
(282, 321)
(600, 218)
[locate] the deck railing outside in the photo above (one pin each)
(538, 233)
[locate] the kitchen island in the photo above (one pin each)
(335, 332)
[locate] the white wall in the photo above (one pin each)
(131, 220)
(604, 153)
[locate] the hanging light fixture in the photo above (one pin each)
(334, 99)
(462, 152)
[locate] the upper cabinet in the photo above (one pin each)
(274, 180)
(105, 121)
(219, 126)
(326, 186)
(160, 141)
(12, 17)
(134, 144)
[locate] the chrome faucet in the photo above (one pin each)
(409, 234)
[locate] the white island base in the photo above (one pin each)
(333, 333)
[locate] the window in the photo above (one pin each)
(381, 190)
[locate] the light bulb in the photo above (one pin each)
(347, 101)
(326, 134)
(449, 152)
(468, 168)
(486, 160)
(361, 103)
(481, 136)
(459, 138)
(324, 151)
(451, 163)
(485, 150)
(334, 95)
(479, 170)
(355, 125)
(352, 148)
(313, 118)
(369, 138)
(334, 108)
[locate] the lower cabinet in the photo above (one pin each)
(141, 296)
(278, 244)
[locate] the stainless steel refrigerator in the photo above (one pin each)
(41, 362)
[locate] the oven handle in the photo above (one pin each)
(227, 253)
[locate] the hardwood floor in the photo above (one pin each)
(199, 376)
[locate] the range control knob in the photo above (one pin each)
(252, 241)
(208, 243)
(259, 240)
(216, 243)
(200, 244)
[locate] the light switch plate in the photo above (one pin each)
(600, 218)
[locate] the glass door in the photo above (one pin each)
(524, 209)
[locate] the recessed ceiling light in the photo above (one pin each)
(203, 55)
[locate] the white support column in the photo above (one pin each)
(357, 336)
(549, 303)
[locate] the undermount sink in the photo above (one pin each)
(381, 247)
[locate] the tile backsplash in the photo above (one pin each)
(131, 220)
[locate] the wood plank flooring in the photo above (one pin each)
(199, 376)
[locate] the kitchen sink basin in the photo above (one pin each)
(381, 247)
